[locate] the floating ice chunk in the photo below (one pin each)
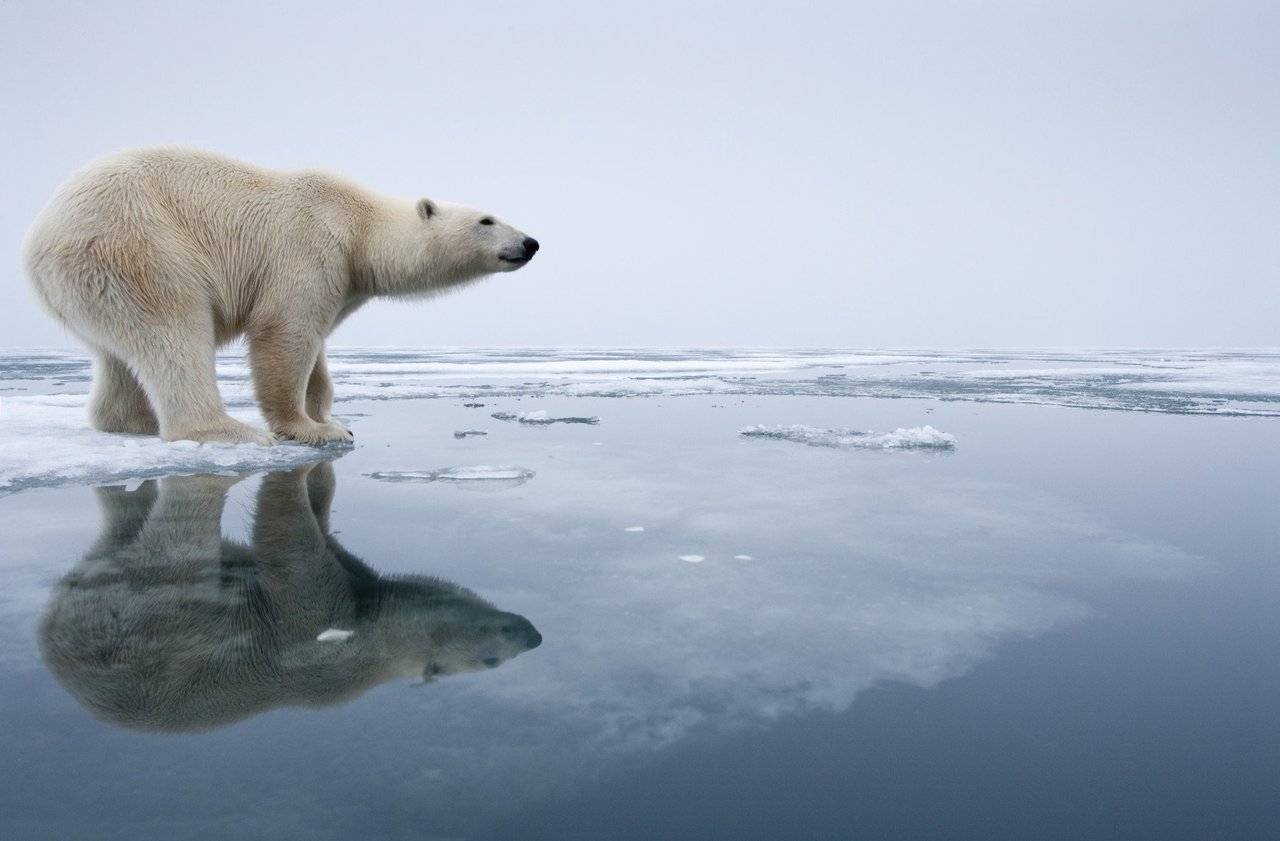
(916, 438)
(334, 635)
(470, 433)
(742, 557)
(540, 418)
(485, 474)
(693, 559)
(634, 528)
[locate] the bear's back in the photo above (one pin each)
(160, 187)
(142, 217)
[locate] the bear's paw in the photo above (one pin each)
(310, 432)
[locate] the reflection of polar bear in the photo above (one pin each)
(165, 625)
(155, 257)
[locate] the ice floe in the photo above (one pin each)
(470, 433)
(540, 418)
(46, 441)
(334, 635)
(916, 438)
(480, 474)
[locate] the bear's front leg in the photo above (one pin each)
(320, 390)
(282, 361)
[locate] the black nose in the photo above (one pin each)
(530, 246)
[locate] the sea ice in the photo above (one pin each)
(540, 418)
(334, 635)
(693, 559)
(1219, 382)
(916, 438)
(634, 528)
(470, 433)
(1216, 382)
(480, 474)
(45, 440)
(45, 437)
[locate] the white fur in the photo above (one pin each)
(155, 257)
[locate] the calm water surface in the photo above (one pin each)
(1066, 627)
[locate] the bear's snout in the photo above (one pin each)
(521, 254)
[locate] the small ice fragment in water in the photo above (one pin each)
(634, 528)
(916, 438)
(334, 635)
(477, 474)
(470, 433)
(742, 557)
(693, 559)
(540, 418)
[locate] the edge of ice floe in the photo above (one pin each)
(46, 441)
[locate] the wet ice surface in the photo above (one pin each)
(1064, 626)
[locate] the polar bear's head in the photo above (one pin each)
(479, 242)
(422, 247)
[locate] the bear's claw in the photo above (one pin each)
(311, 432)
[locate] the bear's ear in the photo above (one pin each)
(426, 209)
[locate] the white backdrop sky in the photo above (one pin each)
(938, 174)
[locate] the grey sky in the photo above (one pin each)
(894, 174)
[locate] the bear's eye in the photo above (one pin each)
(486, 221)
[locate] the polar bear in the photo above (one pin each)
(155, 257)
(166, 625)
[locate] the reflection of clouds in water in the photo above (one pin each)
(25, 589)
(35, 549)
(897, 580)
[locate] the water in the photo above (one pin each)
(1061, 624)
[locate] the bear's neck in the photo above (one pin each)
(401, 259)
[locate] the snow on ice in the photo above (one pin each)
(45, 441)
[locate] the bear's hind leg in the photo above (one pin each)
(118, 402)
(177, 370)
